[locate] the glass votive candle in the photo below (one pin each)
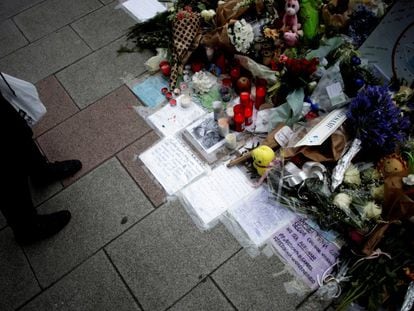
(260, 96)
(223, 125)
(225, 93)
(244, 99)
(248, 116)
(231, 141)
(239, 121)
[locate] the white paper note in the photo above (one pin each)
(169, 120)
(143, 9)
(213, 194)
(259, 216)
(173, 164)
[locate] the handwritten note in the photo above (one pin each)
(171, 119)
(173, 164)
(259, 216)
(213, 194)
(305, 250)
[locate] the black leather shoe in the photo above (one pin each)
(53, 171)
(42, 227)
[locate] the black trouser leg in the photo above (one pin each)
(20, 157)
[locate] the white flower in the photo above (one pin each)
(352, 175)
(343, 201)
(241, 36)
(378, 192)
(208, 15)
(372, 210)
(221, 2)
(409, 180)
(203, 81)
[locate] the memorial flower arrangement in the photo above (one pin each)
(371, 207)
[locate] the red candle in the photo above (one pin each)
(239, 122)
(244, 99)
(238, 109)
(196, 66)
(260, 96)
(226, 82)
(248, 116)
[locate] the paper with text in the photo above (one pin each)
(169, 120)
(259, 216)
(213, 194)
(305, 250)
(173, 164)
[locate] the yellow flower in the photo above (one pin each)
(352, 175)
(378, 192)
(372, 210)
(343, 201)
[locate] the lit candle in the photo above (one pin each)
(231, 141)
(239, 122)
(248, 116)
(223, 124)
(260, 96)
(244, 99)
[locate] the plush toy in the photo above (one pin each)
(262, 156)
(290, 22)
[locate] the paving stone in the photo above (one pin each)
(17, 282)
(96, 133)
(251, 284)
(205, 297)
(162, 257)
(94, 285)
(103, 26)
(103, 204)
(46, 56)
(106, 1)
(130, 160)
(101, 72)
(41, 194)
(58, 103)
(51, 15)
(10, 37)
(8, 8)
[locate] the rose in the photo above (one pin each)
(343, 201)
(372, 210)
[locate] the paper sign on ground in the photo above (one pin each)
(213, 194)
(305, 250)
(169, 120)
(143, 9)
(259, 216)
(173, 164)
(149, 90)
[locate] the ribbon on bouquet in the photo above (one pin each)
(296, 175)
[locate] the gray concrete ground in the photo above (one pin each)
(126, 247)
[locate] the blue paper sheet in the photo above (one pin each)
(149, 90)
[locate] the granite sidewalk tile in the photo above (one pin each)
(164, 256)
(130, 160)
(44, 57)
(95, 134)
(103, 26)
(94, 285)
(251, 283)
(58, 103)
(10, 37)
(103, 205)
(17, 282)
(51, 15)
(100, 73)
(8, 8)
(204, 297)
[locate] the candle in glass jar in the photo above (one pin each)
(244, 99)
(248, 116)
(223, 124)
(231, 141)
(260, 95)
(239, 120)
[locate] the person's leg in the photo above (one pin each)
(20, 158)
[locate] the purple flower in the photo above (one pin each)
(376, 120)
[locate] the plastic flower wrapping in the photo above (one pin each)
(358, 182)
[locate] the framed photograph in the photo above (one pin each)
(205, 133)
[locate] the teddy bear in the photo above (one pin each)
(290, 23)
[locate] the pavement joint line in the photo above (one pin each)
(31, 267)
(21, 31)
(123, 281)
(25, 9)
(223, 293)
(78, 34)
(204, 279)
